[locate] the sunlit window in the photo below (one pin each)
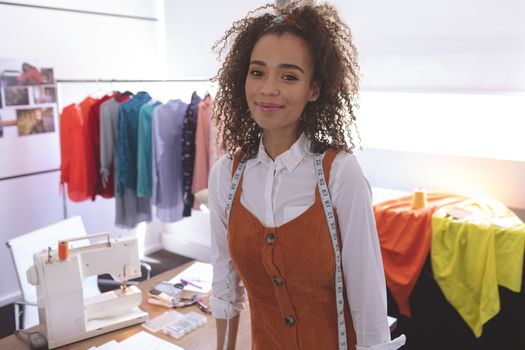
(489, 126)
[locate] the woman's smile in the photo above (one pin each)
(268, 107)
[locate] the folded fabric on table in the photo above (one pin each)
(405, 236)
(476, 246)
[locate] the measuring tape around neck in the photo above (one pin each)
(329, 213)
(233, 189)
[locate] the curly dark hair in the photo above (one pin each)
(326, 122)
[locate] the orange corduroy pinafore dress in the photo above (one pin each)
(289, 275)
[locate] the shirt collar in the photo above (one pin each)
(289, 159)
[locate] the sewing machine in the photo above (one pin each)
(66, 316)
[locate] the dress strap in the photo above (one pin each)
(328, 159)
(322, 171)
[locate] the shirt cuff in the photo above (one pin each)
(104, 175)
(222, 309)
(390, 345)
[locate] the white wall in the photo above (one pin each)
(471, 176)
(77, 46)
(468, 46)
(26, 204)
(447, 45)
(192, 27)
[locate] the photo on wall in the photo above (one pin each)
(48, 77)
(28, 117)
(35, 121)
(28, 98)
(16, 95)
(44, 94)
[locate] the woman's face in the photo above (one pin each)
(279, 82)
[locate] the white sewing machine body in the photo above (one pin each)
(66, 316)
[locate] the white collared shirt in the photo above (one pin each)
(278, 191)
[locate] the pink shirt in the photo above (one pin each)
(202, 146)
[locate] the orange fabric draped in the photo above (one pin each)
(405, 235)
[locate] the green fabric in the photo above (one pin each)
(144, 168)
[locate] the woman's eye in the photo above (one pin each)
(256, 73)
(289, 77)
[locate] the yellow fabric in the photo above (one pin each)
(473, 255)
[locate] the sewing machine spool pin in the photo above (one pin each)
(124, 285)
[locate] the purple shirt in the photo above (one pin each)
(167, 131)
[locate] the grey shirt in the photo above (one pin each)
(129, 208)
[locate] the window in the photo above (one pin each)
(489, 126)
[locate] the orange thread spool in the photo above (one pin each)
(63, 250)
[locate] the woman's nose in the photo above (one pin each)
(269, 88)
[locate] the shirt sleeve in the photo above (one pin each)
(155, 164)
(225, 302)
(361, 255)
(106, 143)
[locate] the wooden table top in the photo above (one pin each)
(202, 338)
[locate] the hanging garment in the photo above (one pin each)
(473, 255)
(93, 151)
(167, 124)
(144, 151)
(108, 138)
(73, 153)
(129, 209)
(202, 146)
(74, 148)
(127, 141)
(216, 150)
(188, 152)
(405, 235)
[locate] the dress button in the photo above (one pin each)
(277, 281)
(270, 238)
(289, 320)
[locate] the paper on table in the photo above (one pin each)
(146, 341)
(110, 345)
(200, 274)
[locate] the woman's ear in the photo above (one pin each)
(315, 91)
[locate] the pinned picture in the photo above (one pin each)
(48, 77)
(35, 121)
(16, 95)
(30, 75)
(44, 94)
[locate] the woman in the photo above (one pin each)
(291, 215)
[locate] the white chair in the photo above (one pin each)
(22, 249)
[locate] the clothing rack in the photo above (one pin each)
(96, 81)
